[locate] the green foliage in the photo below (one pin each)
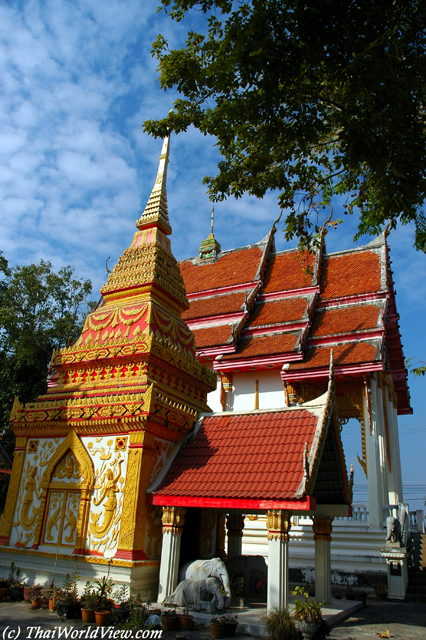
(309, 610)
(417, 371)
(15, 572)
(280, 625)
(69, 591)
(40, 310)
(313, 98)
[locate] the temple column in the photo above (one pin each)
(395, 479)
(235, 526)
(278, 525)
(374, 467)
(322, 526)
(173, 519)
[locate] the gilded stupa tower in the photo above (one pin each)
(121, 397)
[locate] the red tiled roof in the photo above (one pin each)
(251, 456)
(214, 306)
(350, 274)
(277, 311)
(272, 344)
(334, 321)
(349, 353)
(286, 272)
(214, 336)
(235, 267)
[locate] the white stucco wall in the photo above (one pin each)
(242, 396)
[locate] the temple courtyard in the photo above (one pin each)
(404, 620)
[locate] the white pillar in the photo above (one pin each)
(173, 520)
(374, 470)
(322, 526)
(235, 526)
(278, 525)
(395, 477)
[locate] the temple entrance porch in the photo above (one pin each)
(188, 531)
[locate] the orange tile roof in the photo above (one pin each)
(344, 354)
(235, 267)
(214, 306)
(277, 311)
(334, 321)
(350, 274)
(272, 344)
(285, 272)
(251, 456)
(214, 336)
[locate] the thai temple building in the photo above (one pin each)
(199, 415)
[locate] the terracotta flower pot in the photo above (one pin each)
(52, 604)
(88, 615)
(26, 593)
(186, 622)
(102, 618)
(217, 629)
(169, 622)
(37, 602)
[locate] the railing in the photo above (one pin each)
(361, 513)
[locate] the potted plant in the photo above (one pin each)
(68, 605)
(231, 623)
(88, 603)
(186, 620)
(122, 601)
(280, 625)
(217, 627)
(307, 613)
(169, 620)
(15, 589)
(35, 597)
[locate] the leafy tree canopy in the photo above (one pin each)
(40, 310)
(313, 98)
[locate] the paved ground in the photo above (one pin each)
(404, 620)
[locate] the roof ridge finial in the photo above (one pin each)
(210, 247)
(211, 227)
(156, 210)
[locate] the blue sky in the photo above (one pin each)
(77, 81)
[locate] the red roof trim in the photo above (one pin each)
(212, 352)
(220, 290)
(307, 503)
(352, 337)
(207, 321)
(254, 363)
(277, 295)
(278, 328)
(355, 299)
(342, 370)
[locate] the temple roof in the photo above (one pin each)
(260, 459)
(254, 308)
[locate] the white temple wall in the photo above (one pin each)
(269, 388)
(213, 399)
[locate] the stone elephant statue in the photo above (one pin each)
(209, 568)
(252, 568)
(203, 594)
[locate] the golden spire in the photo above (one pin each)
(209, 247)
(156, 211)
